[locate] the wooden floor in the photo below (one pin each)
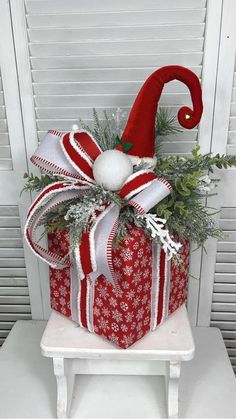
(27, 386)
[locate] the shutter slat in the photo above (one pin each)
(98, 48)
(108, 100)
(13, 317)
(13, 282)
(230, 343)
(226, 267)
(14, 299)
(13, 252)
(223, 316)
(228, 225)
(5, 325)
(10, 242)
(121, 32)
(225, 288)
(6, 221)
(13, 272)
(226, 246)
(4, 333)
(226, 257)
(10, 263)
(225, 277)
(15, 308)
(228, 212)
(229, 334)
(224, 297)
(102, 87)
(124, 17)
(97, 75)
(74, 6)
(224, 324)
(117, 61)
(9, 211)
(71, 113)
(231, 352)
(10, 233)
(9, 291)
(224, 306)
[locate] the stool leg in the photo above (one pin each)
(172, 388)
(65, 383)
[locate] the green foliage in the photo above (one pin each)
(174, 167)
(165, 124)
(37, 184)
(184, 209)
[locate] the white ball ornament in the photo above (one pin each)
(111, 169)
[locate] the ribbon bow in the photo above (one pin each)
(72, 155)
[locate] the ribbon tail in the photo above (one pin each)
(102, 235)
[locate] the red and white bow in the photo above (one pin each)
(72, 155)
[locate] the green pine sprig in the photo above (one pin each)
(36, 183)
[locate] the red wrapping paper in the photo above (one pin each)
(148, 289)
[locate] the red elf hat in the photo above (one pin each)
(140, 128)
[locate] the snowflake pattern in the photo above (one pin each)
(60, 278)
(121, 313)
(179, 279)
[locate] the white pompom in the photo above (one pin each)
(111, 169)
(75, 127)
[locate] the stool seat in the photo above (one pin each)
(74, 350)
(172, 340)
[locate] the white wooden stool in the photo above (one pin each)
(76, 351)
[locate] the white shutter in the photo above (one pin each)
(14, 290)
(217, 305)
(97, 54)
(76, 55)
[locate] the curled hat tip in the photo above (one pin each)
(189, 118)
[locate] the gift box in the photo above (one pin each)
(99, 186)
(148, 288)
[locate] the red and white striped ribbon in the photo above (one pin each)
(72, 155)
